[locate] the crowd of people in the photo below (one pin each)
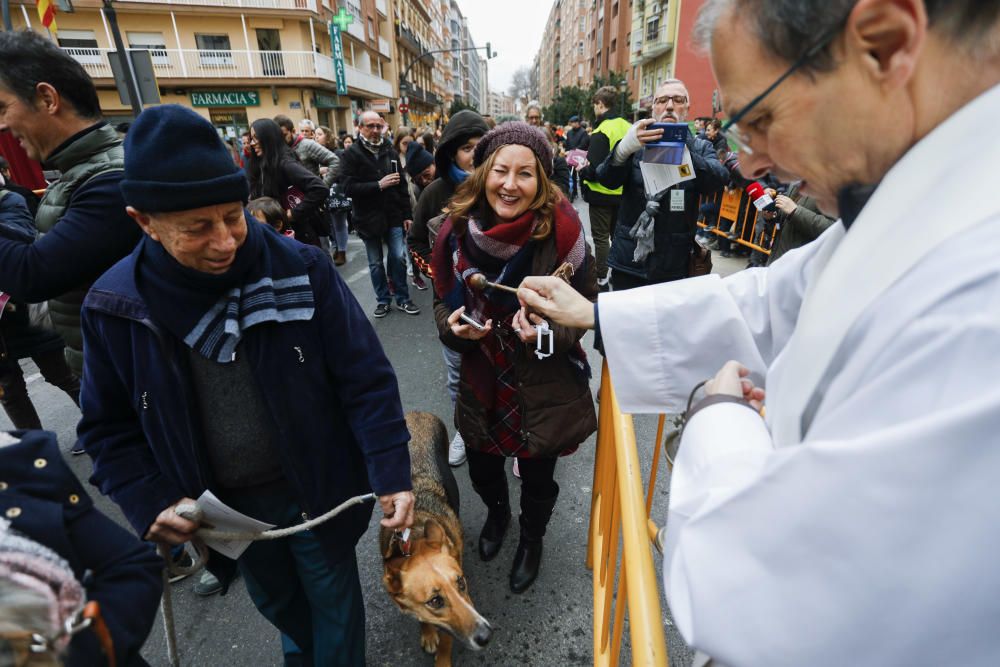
(812, 533)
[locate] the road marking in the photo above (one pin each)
(31, 378)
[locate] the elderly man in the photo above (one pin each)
(224, 357)
(373, 178)
(675, 223)
(850, 526)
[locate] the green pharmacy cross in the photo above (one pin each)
(343, 19)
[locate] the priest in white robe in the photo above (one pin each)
(859, 523)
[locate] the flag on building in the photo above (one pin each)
(47, 14)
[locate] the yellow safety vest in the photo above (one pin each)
(614, 129)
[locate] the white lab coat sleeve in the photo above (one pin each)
(858, 541)
(662, 340)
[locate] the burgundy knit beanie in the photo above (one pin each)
(515, 132)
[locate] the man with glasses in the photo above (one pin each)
(533, 114)
(675, 219)
(372, 177)
(839, 528)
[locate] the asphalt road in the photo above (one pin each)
(550, 625)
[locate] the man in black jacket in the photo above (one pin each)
(576, 139)
(371, 175)
(675, 223)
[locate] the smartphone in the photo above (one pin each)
(672, 132)
(472, 322)
(395, 166)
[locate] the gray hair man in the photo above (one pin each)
(871, 342)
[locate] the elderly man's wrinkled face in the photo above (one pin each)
(307, 131)
(801, 131)
(204, 239)
(371, 127)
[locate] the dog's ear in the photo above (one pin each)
(392, 577)
(435, 533)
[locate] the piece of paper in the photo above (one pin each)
(677, 200)
(657, 177)
(220, 516)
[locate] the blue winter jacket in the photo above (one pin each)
(330, 393)
(44, 501)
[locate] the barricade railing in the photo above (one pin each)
(745, 227)
(618, 510)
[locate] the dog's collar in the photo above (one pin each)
(401, 540)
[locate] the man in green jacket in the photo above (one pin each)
(49, 104)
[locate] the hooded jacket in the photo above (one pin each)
(463, 126)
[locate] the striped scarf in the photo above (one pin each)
(268, 282)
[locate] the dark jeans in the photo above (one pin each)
(602, 223)
(620, 280)
(16, 402)
(396, 243)
(537, 479)
(315, 602)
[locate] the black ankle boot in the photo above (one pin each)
(535, 515)
(497, 518)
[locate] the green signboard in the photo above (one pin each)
(324, 101)
(225, 98)
(337, 46)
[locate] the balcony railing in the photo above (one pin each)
(217, 64)
(310, 5)
(236, 64)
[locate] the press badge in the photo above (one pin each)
(676, 200)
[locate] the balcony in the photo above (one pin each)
(310, 5)
(411, 41)
(656, 43)
(421, 95)
(234, 64)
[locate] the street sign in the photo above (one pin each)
(225, 98)
(337, 47)
(145, 77)
(404, 108)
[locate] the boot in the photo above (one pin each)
(497, 518)
(339, 257)
(535, 515)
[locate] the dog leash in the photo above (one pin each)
(192, 512)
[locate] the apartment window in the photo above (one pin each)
(614, 9)
(150, 40)
(580, 49)
(214, 50)
(653, 29)
(82, 45)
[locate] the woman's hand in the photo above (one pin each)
(733, 380)
(524, 325)
(467, 331)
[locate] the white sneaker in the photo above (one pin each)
(456, 450)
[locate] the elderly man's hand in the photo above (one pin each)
(733, 380)
(556, 300)
(398, 509)
(785, 204)
(170, 527)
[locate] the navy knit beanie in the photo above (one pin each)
(515, 132)
(175, 161)
(417, 159)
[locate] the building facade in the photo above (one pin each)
(500, 105)
(418, 32)
(584, 39)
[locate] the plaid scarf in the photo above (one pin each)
(504, 254)
(267, 282)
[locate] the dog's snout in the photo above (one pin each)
(482, 635)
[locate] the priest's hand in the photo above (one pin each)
(733, 379)
(555, 299)
(467, 331)
(170, 527)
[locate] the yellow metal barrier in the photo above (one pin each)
(617, 509)
(747, 229)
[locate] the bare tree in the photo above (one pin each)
(521, 86)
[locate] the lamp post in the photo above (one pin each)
(623, 87)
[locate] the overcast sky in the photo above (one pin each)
(514, 30)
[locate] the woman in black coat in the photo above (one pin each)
(275, 172)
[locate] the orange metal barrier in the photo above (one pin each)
(747, 228)
(618, 509)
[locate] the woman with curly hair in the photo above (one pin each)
(518, 396)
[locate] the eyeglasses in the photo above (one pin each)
(677, 99)
(739, 137)
(373, 126)
(534, 117)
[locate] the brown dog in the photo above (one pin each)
(424, 576)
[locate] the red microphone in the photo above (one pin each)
(760, 198)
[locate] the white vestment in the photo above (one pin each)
(861, 524)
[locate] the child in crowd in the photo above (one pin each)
(269, 211)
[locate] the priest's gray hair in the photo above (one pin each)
(788, 28)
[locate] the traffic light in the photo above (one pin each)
(489, 52)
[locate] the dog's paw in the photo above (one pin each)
(429, 638)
